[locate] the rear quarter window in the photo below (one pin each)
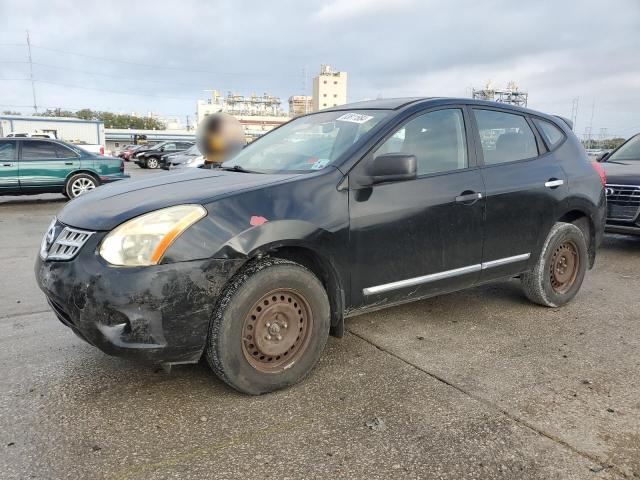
(552, 135)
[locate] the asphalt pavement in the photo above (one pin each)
(478, 384)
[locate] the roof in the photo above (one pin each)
(46, 119)
(398, 103)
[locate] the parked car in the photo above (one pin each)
(128, 153)
(622, 167)
(333, 214)
(37, 165)
(151, 158)
(193, 162)
(180, 158)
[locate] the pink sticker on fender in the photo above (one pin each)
(255, 220)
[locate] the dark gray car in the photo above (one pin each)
(175, 159)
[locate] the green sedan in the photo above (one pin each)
(34, 165)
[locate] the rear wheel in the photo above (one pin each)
(559, 272)
(80, 183)
(152, 162)
(270, 328)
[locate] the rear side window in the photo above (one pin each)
(38, 150)
(551, 134)
(505, 137)
(64, 152)
(7, 150)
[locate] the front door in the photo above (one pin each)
(525, 185)
(45, 164)
(8, 167)
(424, 236)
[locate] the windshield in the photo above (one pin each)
(307, 143)
(193, 151)
(628, 151)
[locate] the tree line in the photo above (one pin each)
(111, 120)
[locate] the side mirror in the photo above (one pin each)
(162, 149)
(393, 167)
(602, 157)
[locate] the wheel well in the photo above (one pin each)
(584, 223)
(86, 172)
(321, 268)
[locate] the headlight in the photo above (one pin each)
(143, 240)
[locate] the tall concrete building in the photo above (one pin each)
(329, 88)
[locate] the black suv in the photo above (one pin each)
(623, 187)
(330, 215)
(151, 158)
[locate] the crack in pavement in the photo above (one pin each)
(602, 464)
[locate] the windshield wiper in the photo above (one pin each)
(238, 168)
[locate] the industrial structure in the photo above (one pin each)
(257, 114)
(511, 95)
(329, 88)
(300, 105)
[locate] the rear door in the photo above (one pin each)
(45, 164)
(9, 166)
(424, 236)
(524, 188)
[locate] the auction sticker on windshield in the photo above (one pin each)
(354, 118)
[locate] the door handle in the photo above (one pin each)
(68, 163)
(553, 183)
(468, 198)
(7, 164)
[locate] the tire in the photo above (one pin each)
(252, 344)
(152, 162)
(560, 269)
(80, 183)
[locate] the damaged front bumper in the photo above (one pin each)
(157, 314)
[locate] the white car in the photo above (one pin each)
(194, 162)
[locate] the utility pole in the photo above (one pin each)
(33, 85)
(574, 112)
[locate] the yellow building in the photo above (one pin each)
(329, 88)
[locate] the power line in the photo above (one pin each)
(167, 67)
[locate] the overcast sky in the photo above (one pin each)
(161, 56)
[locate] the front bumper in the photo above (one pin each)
(157, 314)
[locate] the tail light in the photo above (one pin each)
(101, 150)
(121, 166)
(603, 176)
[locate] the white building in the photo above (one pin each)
(72, 130)
(257, 114)
(329, 88)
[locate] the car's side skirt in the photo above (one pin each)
(411, 282)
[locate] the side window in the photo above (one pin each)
(7, 150)
(170, 146)
(437, 139)
(552, 134)
(505, 137)
(64, 152)
(38, 151)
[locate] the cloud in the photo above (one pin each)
(343, 10)
(556, 50)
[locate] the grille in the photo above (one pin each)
(623, 201)
(64, 245)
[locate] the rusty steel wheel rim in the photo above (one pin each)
(564, 266)
(276, 331)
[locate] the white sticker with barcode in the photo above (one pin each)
(354, 118)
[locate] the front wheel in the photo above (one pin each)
(152, 162)
(80, 183)
(270, 327)
(560, 270)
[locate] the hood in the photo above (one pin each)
(108, 206)
(622, 173)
